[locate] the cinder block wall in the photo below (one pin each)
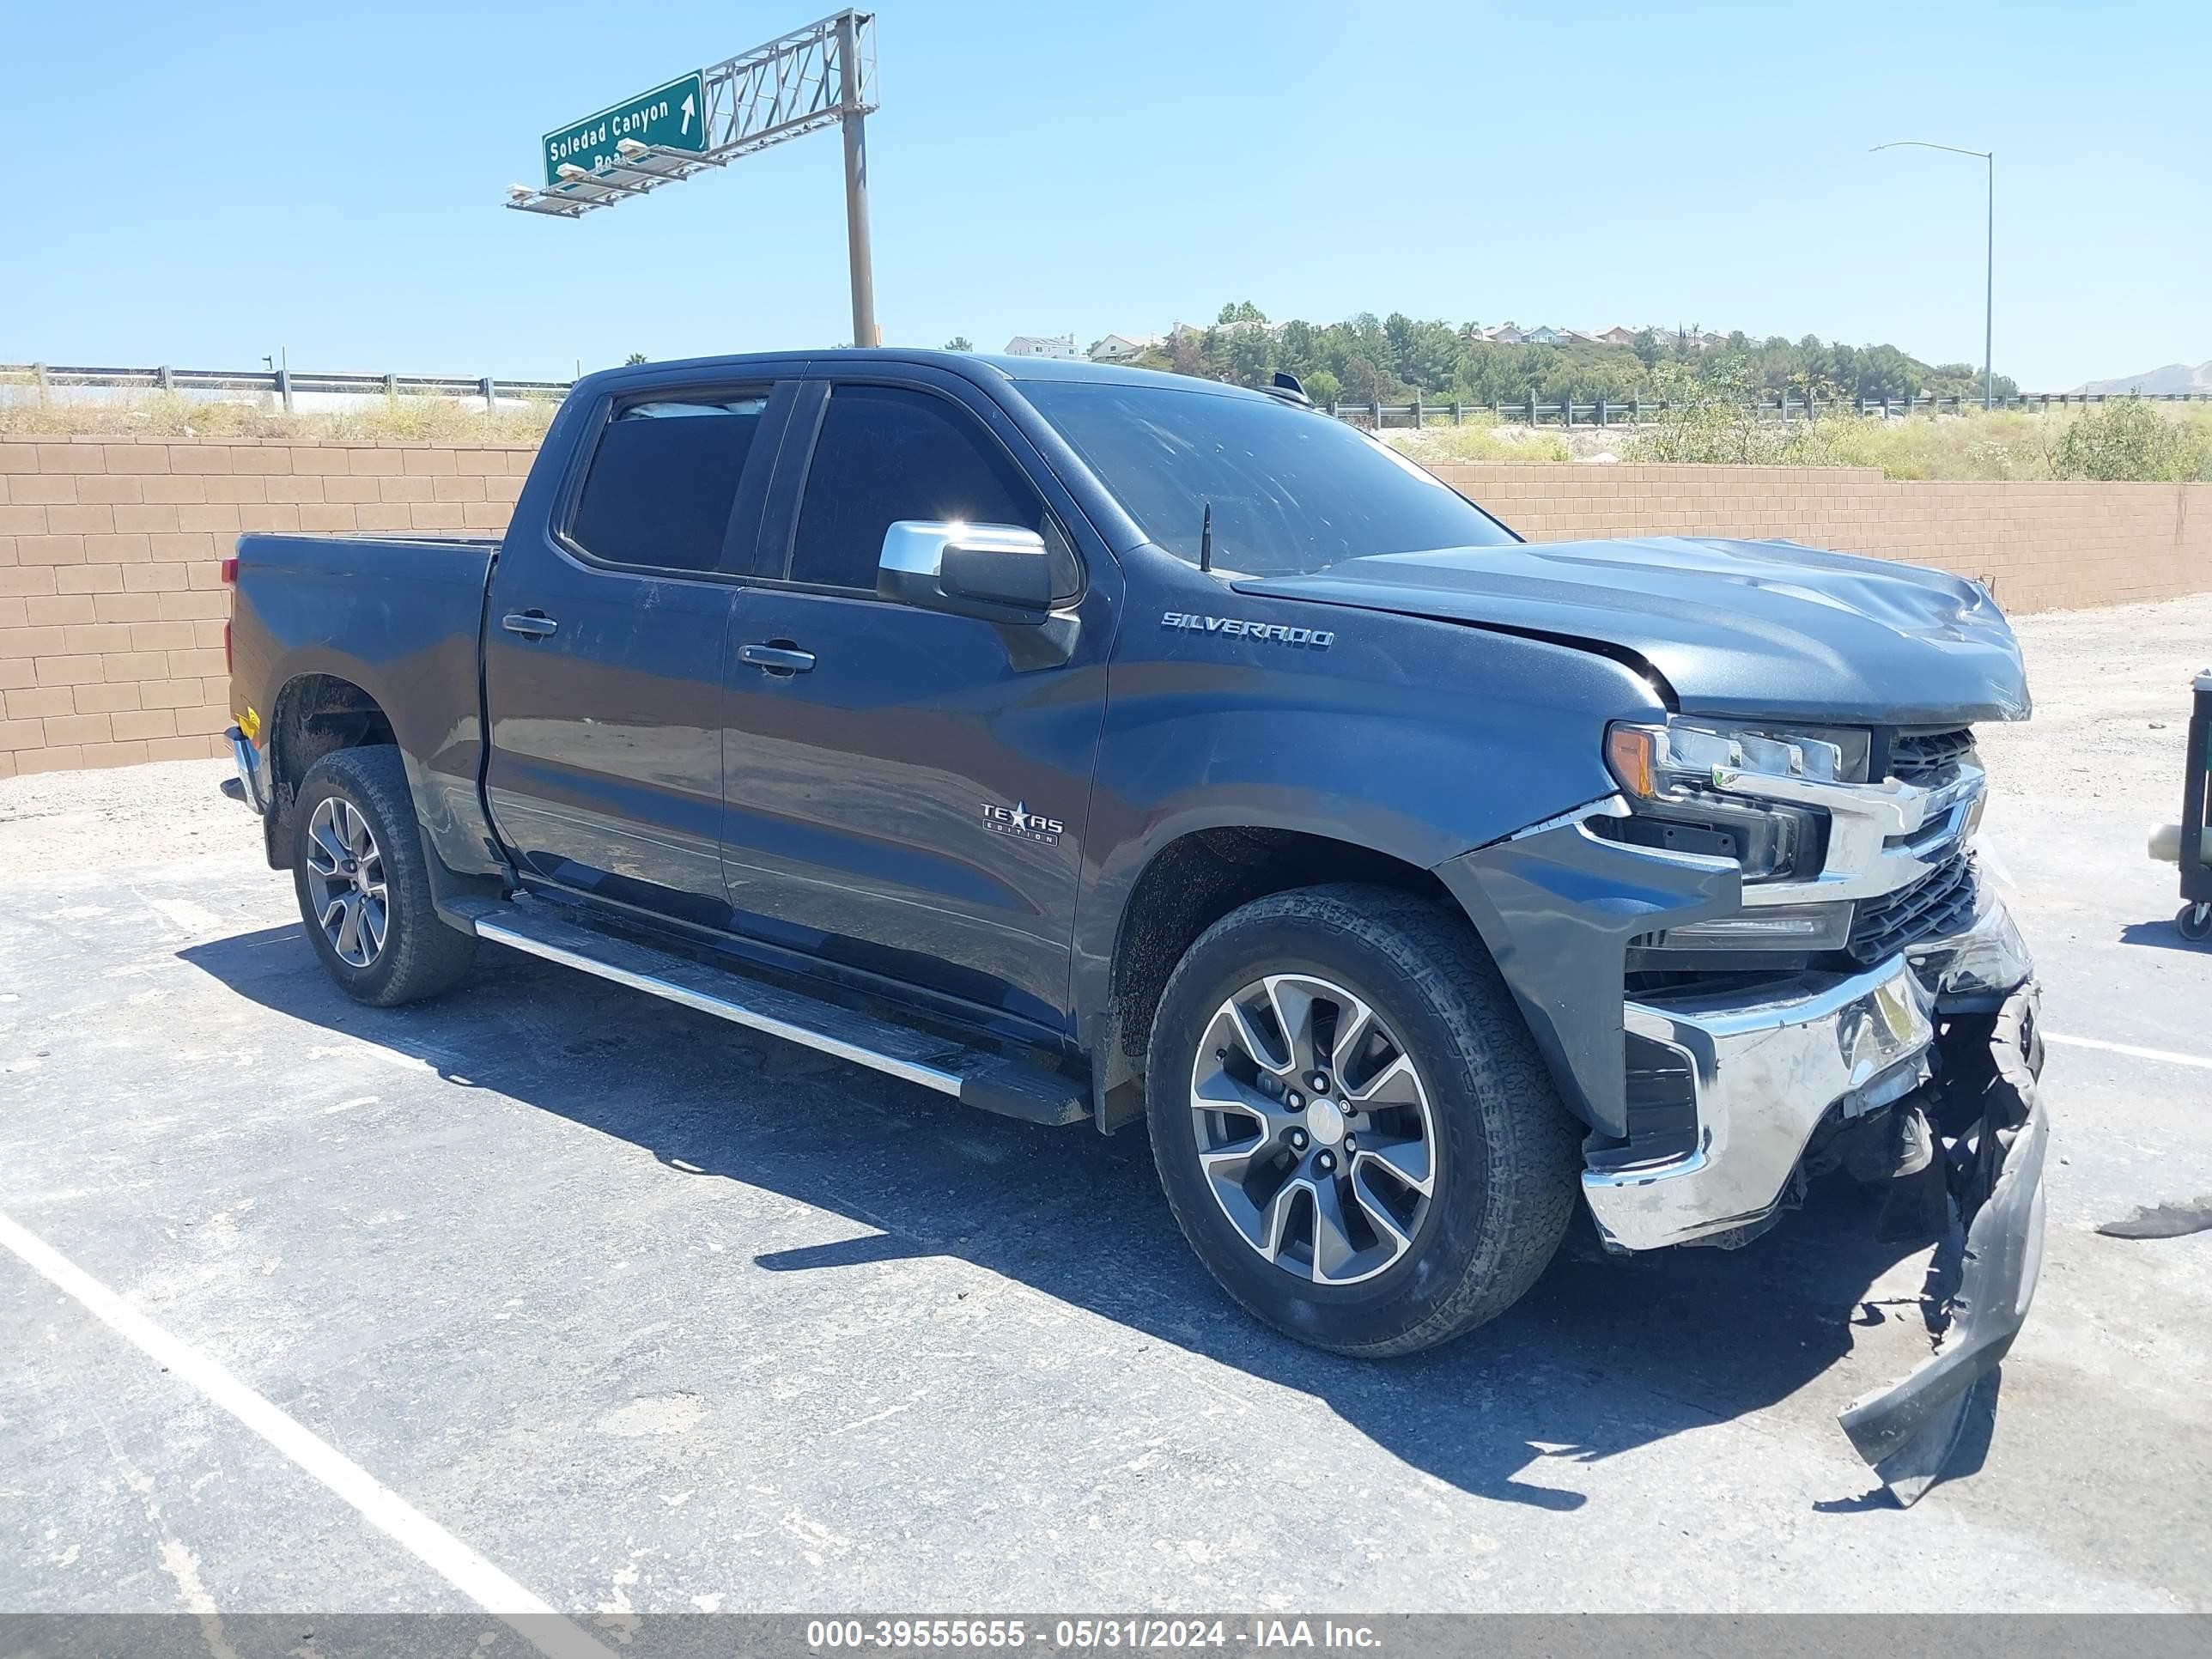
(111, 606)
(2038, 546)
(112, 603)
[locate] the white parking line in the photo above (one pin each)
(467, 1571)
(2165, 1056)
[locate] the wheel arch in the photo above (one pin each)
(1188, 884)
(314, 714)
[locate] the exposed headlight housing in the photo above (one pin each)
(1651, 762)
(1671, 775)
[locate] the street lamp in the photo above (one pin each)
(1989, 279)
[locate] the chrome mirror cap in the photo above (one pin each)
(996, 572)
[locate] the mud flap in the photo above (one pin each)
(1910, 1431)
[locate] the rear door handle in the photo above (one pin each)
(531, 624)
(776, 658)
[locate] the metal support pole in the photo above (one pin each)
(856, 187)
(39, 374)
(490, 395)
(1989, 290)
(284, 388)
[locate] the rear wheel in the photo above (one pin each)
(2194, 922)
(363, 882)
(1351, 1124)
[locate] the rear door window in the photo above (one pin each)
(663, 480)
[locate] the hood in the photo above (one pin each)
(1761, 628)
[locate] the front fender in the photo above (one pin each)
(1557, 910)
(1410, 738)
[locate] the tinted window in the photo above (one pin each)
(662, 480)
(1291, 490)
(886, 453)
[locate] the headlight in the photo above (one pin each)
(1652, 763)
(1669, 773)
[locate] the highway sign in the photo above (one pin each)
(671, 117)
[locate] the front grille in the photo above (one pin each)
(1928, 756)
(1941, 902)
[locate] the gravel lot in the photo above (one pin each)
(649, 1315)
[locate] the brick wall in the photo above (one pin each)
(2040, 546)
(111, 606)
(112, 603)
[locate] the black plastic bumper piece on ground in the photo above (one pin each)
(1910, 1431)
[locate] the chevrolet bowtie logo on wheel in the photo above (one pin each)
(1018, 820)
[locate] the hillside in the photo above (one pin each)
(2157, 382)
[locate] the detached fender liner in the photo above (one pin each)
(1557, 910)
(1909, 1431)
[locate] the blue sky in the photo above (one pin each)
(204, 183)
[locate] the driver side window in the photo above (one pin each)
(886, 453)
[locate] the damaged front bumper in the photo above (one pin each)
(1766, 1067)
(1994, 1174)
(1946, 1032)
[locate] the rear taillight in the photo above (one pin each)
(229, 569)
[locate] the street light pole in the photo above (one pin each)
(1990, 273)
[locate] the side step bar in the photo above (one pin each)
(974, 1077)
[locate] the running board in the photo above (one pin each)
(975, 1077)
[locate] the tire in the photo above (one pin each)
(2194, 922)
(1503, 1158)
(348, 795)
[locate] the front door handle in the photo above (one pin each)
(531, 624)
(776, 658)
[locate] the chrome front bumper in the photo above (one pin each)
(1767, 1068)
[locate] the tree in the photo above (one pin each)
(959, 342)
(1365, 359)
(1251, 357)
(633, 359)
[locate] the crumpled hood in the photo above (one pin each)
(1735, 627)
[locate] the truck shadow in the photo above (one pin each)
(1607, 1355)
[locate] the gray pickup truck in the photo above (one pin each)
(1092, 747)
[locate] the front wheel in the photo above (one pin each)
(363, 882)
(2194, 922)
(1353, 1126)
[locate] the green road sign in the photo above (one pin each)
(673, 116)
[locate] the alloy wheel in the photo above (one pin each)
(1314, 1129)
(345, 881)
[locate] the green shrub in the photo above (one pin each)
(2131, 442)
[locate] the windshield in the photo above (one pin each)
(1292, 489)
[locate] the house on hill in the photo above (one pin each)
(1042, 345)
(1120, 347)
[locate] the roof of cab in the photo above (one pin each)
(959, 363)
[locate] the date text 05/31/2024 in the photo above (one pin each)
(1131, 1634)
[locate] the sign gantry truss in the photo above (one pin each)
(813, 77)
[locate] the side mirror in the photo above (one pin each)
(997, 572)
